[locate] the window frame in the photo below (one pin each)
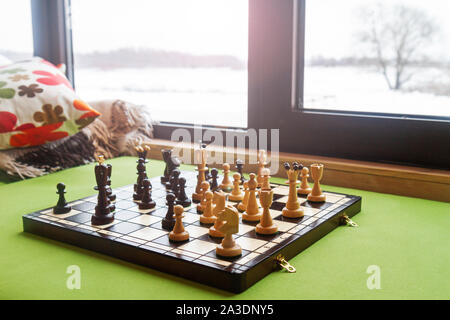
(275, 93)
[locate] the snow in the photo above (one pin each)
(219, 96)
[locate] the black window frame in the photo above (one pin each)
(275, 93)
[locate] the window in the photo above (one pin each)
(373, 56)
(276, 82)
(185, 60)
(15, 32)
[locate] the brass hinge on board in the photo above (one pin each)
(281, 262)
(345, 220)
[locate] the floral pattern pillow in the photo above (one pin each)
(38, 105)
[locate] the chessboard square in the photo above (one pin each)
(80, 218)
(191, 217)
(316, 205)
(278, 206)
(333, 198)
(250, 243)
(105, 226)
(308, 211)
(166, 242)
(247, 258)
(145, 219)
(274, 213)
(244, 228)
(124, 204)
(74, 203)
(284, 190)
(65, 215)
(142, 211)
(125, 227)
(125, 215)
(147, 233)
(199, 246)
(216, 261)
(161, 202)
(277, 196)
(160, 212)
(285, 226)
(85, 206)
(195, 231)
(124, 195)
(91, 199)
(336, 195)
(283, 199)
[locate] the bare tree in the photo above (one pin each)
(397, 36)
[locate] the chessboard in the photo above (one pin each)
(138, 237)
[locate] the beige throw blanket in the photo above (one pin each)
(113, 134)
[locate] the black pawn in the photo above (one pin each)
(169, 221)
(182, 197)
(147, 202)
(214, 176)
(174, 180)
(239, 167)
(61, 207)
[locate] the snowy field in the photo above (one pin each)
(219, 96)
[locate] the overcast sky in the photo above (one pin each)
(202, 26)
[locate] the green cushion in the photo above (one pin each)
(407, 238)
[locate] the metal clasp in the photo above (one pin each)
(347, 221)
(281, 261)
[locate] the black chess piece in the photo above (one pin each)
(214, 176)
(172, 163)
(239, 167)
(169, 221)
(138, 188)
(103, 210)
(174, 180)
(61, 207)
(147, 202)
(111, 195)
(182, 198)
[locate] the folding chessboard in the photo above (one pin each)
(137, 235)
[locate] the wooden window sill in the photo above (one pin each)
(416, 182)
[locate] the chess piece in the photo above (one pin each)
(182, 198)
(229, 225)
(111, 195)
(172, 163)
(172, 185)
(292, 208)
(262, 162)
(147, 202)
(239, 167)
(168, 221)
(61, 206)
(138, 187)
(178, 233)
(207, 217)
(201, 168)
(226, 184)
(316, 194)
(265, 184)
(266, 225)
(304, 188)
(214, 177)
(242, 206)
(252, 212)
(103, 210)
(204, 187)
(219, 200)
(236, 194)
